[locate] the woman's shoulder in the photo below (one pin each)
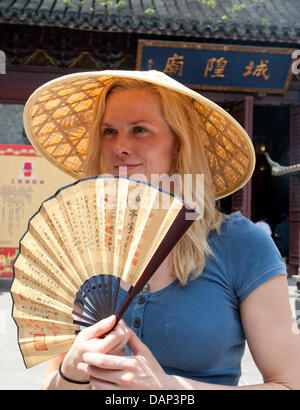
(251, 254)
(238, 226)
(241, 237)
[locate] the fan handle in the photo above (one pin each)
(175, 232)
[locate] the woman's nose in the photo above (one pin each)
(122, 145)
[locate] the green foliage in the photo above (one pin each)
(121, 3)
(265, 22)
(105, 3)
(149, 11)
(68, 3)
(212, 4)
(238, 7)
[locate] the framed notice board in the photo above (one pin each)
(26, 179)
(260, 70)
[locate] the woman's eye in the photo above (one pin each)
(108, 131)
(139, 130)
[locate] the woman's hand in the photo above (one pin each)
(139, 372)
(89, 341)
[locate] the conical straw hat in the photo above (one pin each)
(58, 115)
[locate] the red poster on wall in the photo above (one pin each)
(26, 179)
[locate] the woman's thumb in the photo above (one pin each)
(100, 328)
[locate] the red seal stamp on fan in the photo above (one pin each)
(39, 341)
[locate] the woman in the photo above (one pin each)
(188, 330)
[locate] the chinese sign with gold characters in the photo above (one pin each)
(219, 67)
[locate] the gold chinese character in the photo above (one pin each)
(249, 69)
(150, 64)
(259, 70)
(216, 66)
(174, 65)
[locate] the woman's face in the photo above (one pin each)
(135, 135)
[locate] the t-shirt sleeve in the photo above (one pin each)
(253, 257)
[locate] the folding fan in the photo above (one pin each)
(78, 247)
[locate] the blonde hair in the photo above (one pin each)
(189, 255)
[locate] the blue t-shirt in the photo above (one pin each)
(195, 330)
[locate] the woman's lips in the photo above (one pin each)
(127, 167)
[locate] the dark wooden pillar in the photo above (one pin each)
(243, 113)
(294, 213)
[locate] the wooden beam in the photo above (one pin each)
(19, 82)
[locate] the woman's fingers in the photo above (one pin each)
(89, 340)
(112, 343)
(110, 371)
(137, 346)
(105, 361)
(98, 329)
(108, 367)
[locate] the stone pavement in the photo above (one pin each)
(14, 375)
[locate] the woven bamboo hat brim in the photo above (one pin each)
(58, 115)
